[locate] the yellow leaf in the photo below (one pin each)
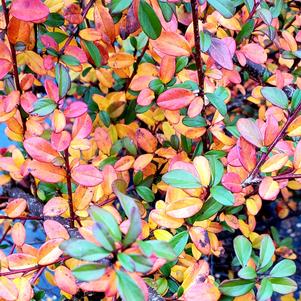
(184, 208)
(274, 163)
(162, 235)
(203, 168)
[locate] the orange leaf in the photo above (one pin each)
(18, 234)
(184, 208)
(274, 163)
(82, 126)
(87, 175)
(16, 207)
(54, 229)
(269, 189)
(175, 99)
(34, 62)
(8, 290)
(49, 252)
(145, 97)
(55, 206)
(40, 149)
(297, 156)
(46, 172)
(172, 43)
(146, 140)
(124, 163)
(199, 237)
(21, 261)
(121, 60)
(167, 68)
(65, 280)
(90, 34)
(246, 154)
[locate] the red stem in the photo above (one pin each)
(69, 187)
(287, 177)
(74, 31)
(276, 140)
(5, 233)
(25, 218)
(37, 275)
(197, 45)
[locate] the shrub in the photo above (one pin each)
(147, 136)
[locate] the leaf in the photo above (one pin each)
(221, 54)
(21, 261)
(87, 175)
(55, 206)
(16, 207)
(178, 242)
(217, 170)
(195, 122)
(43, 107)
(205, 41)
(265, 291)
(93, 52)
(172, 43)
(202, 166)
(284, 268)
(255, 53)
(128, 288)
(236, 287)
(246, 31)
(8, 290)
(276, 96)
(135, 227)
(243, 249)
(127, 203)
(40, 149)
(107, 219)
(149, 21)
(29, 10)
(83, 249)
(175, 99)
(181, 179)
(225, 7)
(65, 280)
(118, 6)
(102, 235)
(267, 250)
(184, 208)
(89, 272)
(269, 189)
(247, 273)
(283, 285)
(70, 60)
(63, 79)
(160, 248)
(274, 163)
(46, 172)
(250, 131)
(209, 208)
(49, 252)
(249, 4)
(222, 195)
(145, 193)
(217, 98)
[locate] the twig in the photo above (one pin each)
(24, 218)
(5, 233)
(136, 66)
(74, 31)
(37, 275)
(264, 156)
(69, 187)
(197, 45)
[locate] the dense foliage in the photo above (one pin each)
(147, 137)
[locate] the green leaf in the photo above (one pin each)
(265, 291)
(284, 268)
(106, 218)
(59, 37)
(135, 263)
(89, 272)
(236, 287)
(225, 7)
(265, 15)
(195, 122)
(181, 179)
(93, 51)
(158, 247)
(43, 107)
(217, 98)
(205, 41)
(222, 195)
(83, 249)
(128, 288)
(276, 9)
(246, 31)
(118, 6)
(247, 273)
(105, 118)
(178, 242)
(296, 99)
(70, 60)
(210, 208)
(145, 193)
(276, 96)
(283, 285)
(54, 20)
(267, 250)
(135, 227)
(128, 203)
(63, 79)
(149, 21)
(102, 235)
(167, 10)
(243, 249)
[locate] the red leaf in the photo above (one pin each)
(232, 181)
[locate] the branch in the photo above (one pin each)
(74, 31)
